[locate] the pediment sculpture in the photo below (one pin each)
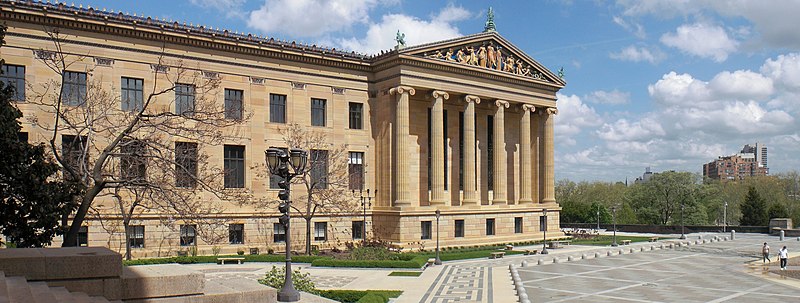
(488, 56)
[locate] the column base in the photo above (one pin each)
(525, 201)
(499, 202)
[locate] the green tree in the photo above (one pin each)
(777, 210)
(31, 202)
(754, 209)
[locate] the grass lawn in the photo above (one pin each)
(606, 240)
(405, 273)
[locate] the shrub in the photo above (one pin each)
(372, 253)
(414, 262)
(373, 298)
(240, 252)
(302, 281)
(352, 296)
(213, 259)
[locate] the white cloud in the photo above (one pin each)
(639, 54)
(573, 115)
(309, 18)
(380, 36)
(633, 27)
(702, 40)
(784, 70)
(614, 97)
(683, 89)
(622, 130)
(741, 85)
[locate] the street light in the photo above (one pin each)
(683, 236)
(725, 217)
(614, 218)
(544, 229)
(598, 217)
(437, 261)
(286, 165)
(364, 205)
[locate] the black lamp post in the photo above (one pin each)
(286, 165)
(683, 235)
(614, 218)
(544, 229)
(366, 201)
(725, 217)
(437, 261)
(598, 218)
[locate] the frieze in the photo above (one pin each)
(159, 68)
(210, 75)
(488, 56)
(103, 61)
(257, 80)
(338, 90)
(298, 85)
(44, 55)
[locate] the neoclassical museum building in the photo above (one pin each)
(463, 126)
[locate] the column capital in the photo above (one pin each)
(472, 98)
(502, 103)
(402, 90)
(528, 107)
(440, 94)
(551, 111)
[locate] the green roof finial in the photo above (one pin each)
(400, 38)
(489, 27)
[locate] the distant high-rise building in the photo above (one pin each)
(759, 151)
(645, 177)
(751, 161)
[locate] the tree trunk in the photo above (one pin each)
(308, 236)
(126, 224)
(71, 237)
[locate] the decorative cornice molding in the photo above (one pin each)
(502, 103)
(440, 94)
(402, 90)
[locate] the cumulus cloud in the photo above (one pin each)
(683, 89)
(309, 18)
(702, 40)
(614, 97)
(639, 54)
(742, 85)
(784, 70)
(623, 130)
(573, 116)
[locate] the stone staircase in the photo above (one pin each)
(94, 275)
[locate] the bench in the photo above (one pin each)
(654, 239)
(239, 260)
(509, 247)
(431, 261)
(558, 243)
(626, 242)
(529, 252)
(497, 255)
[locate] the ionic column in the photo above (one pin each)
(499, 143)
(402, 176)
(547, 158)
(526, 185)
(437, 146)
(470, 167)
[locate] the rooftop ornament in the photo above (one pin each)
(400, 38)
(489, 27)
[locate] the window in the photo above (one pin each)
(459, 230)
(356, 114)
(358, 230)
(233, 104)
(320, 231)
(184, 99)
(136, 236)
(490, 151)
(490, 227)
(133, 160)
(318, 112)
(83, 236)
(274, 179)
(132, 94)
(355, 169)
(518, 225)
(236, 233)
(278, 233)
(542, 223)
(461, 150)
(188, 235)
(14, 76)
(72, 152)
(185, 164)
(319, 168)
(22, 136)
(234, 166)
(277, 108)
(425, 229)
(74, 89)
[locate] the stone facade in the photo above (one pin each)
(397, 89)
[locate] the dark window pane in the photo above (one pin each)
(320, 231)
(236, 233)
(22, 136)
(489, 227)
(355, 170)
(278, 233)
(459, 229)
(358, 230)
(74, 88)
(234, 166)
(425, 230)
(184, 99)
(233, 104)
(133, 161)
(14, 76)
(136, 236)
(518, 225)
(319, 169)
(356, 113)
(318, 112)
(188, 235)
(185, 164)
(132, 94)
(277, 108)
(83, 236)
(73, 152)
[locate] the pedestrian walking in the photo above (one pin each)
(765, 253)
(783, 254)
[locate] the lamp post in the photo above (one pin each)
(598, 218)
(286, 165)
(544, 229)
(437, 261)
(683, 236)
(614, 218)
(364, 205)
(725, 217)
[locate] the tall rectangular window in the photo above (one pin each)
(518, 225)
(320, 231)
(233, 104)
(318, 114)
(490, 151)
(542, 223)
(356, 115)
(355, 170)
(358, 230)
(74, 88)
(459, 228)
(184, 99)
(185, 164)
(73, 150)
(461, 150)
(274, 179)
(278, 233)
(188, 235)
(132, 94)
(234, 166)
(277, 108)
(83, 236)
(14, 76)
(425, 230)
(319, 168)
(133, 160)
(490, 227)
(236, 233)
(136, 236)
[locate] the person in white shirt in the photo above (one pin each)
(783, 254)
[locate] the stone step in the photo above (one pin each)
(62, 295)
(164, 280)
(238, 290)
(41, 292)
(61, 263)
(3, 289)
(81, 297)
(18, 290)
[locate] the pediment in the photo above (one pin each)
(485, 50)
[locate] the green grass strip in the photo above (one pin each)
(405, 273)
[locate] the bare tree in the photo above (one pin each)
(132, 139)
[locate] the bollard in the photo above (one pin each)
(570, 258)
(523, 296)
(555, 260)
(610, 253)
(540, 262)
(642, 249)
(733, 234)
(621, 252)
(584, 256)
(524, 263)
(597, 254)
(782, 235)
(511, 267)
(633, 250)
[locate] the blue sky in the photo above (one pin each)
(669, 84)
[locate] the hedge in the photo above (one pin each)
(360, 296)
(414, 262)
(213, 259)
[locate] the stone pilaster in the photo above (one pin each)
(547, 159)
(526, 178)
(437, 148)
(402, 176)
(470, 166)
(500, 163)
